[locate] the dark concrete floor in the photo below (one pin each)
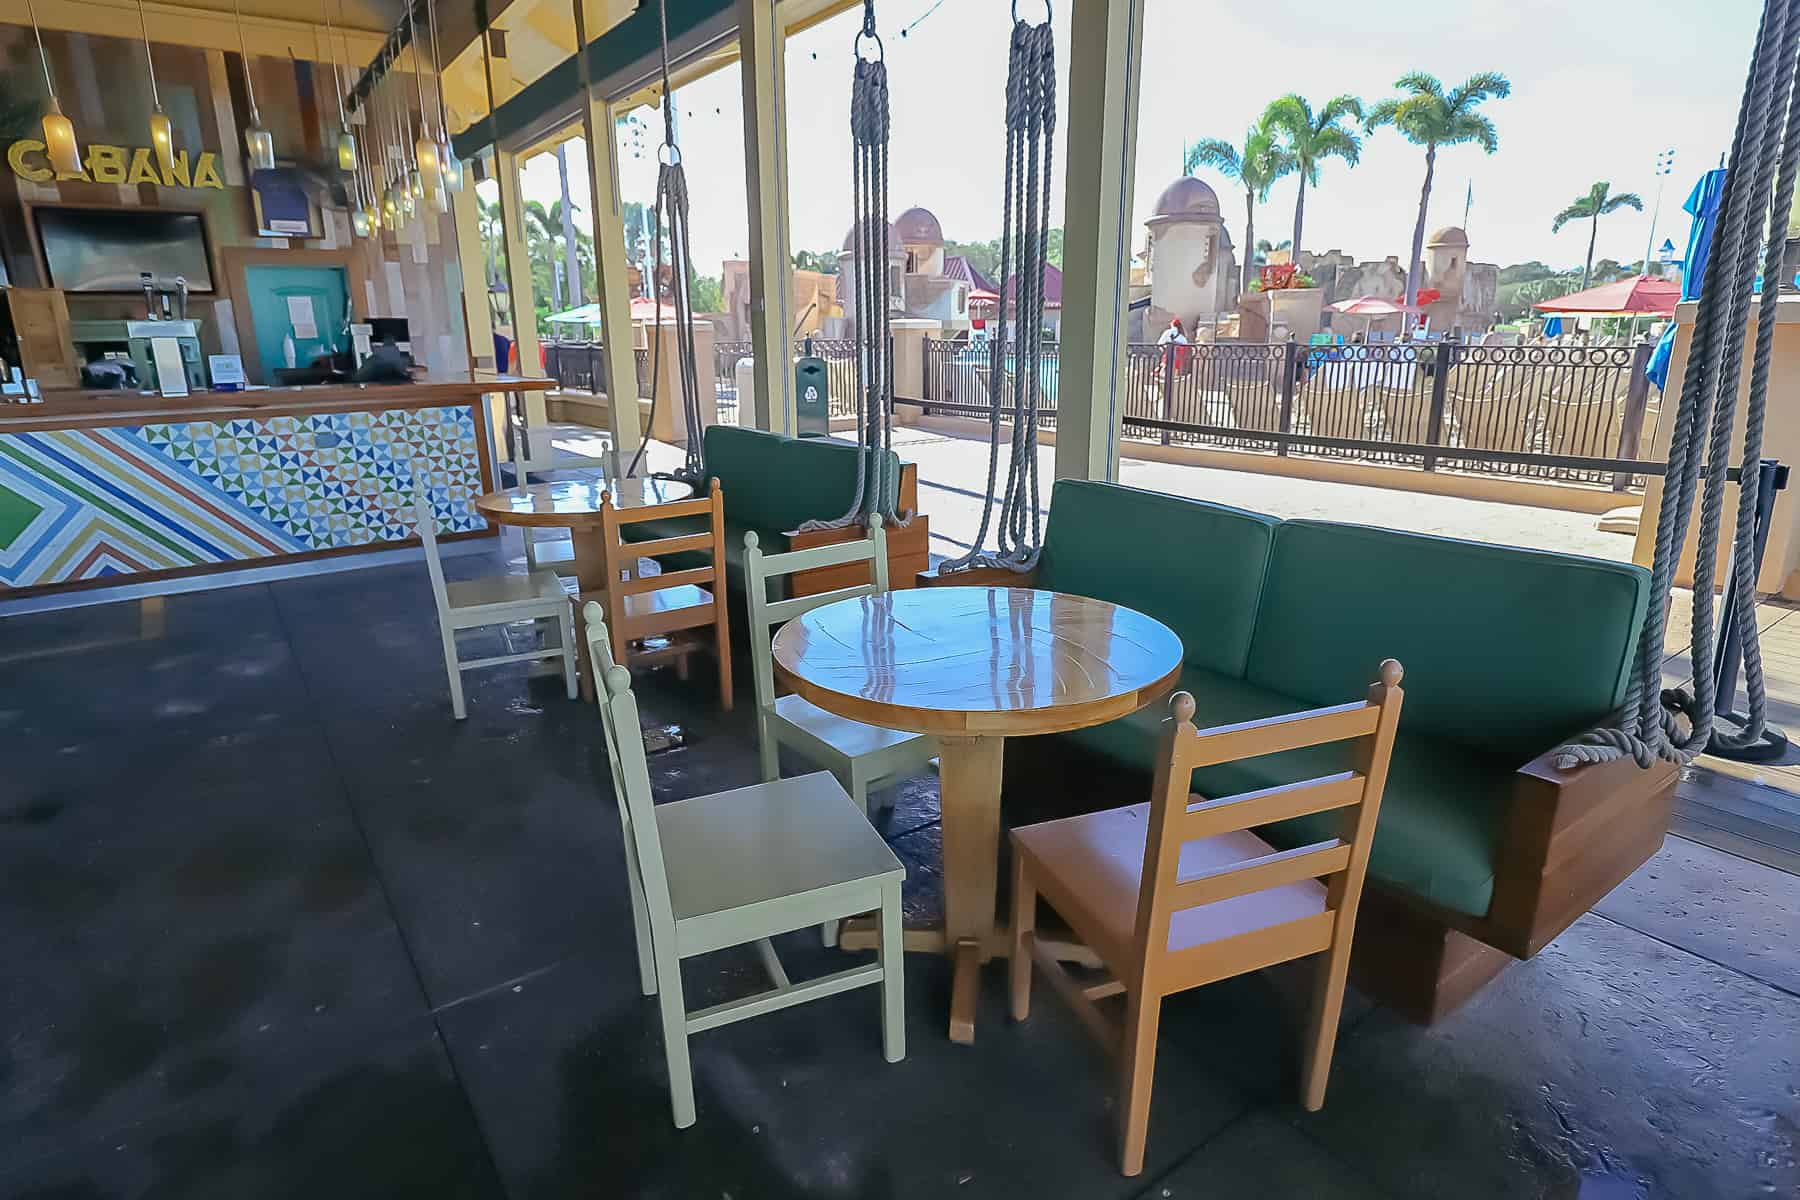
(274, 925)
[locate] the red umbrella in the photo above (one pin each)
(1642, 295)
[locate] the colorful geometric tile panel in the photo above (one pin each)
(81, 504)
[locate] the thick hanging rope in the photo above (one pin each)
(869, 125)
(671, 214)
(1759, 190)
(1024, 225)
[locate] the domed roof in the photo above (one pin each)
(918, 225)
(1187, 197)
(1449, 235)
(893, 239)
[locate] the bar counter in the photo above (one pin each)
(100, 488)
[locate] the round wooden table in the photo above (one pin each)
(973, 666)
(574, 504)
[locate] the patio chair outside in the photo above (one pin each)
(739, 867)
(1174, 894)
(493, 600)
(863, 757)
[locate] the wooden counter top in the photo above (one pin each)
(85, 408)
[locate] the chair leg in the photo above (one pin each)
(640, 922)
(454, 669)
(1143, 1013)
(1322, 1026)
(675, 1048)
(893, 981)
(859, 791)
(1024, 923)
(768, 749)
(565, 628)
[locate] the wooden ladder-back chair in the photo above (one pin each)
(863, 757)
(739, 867)
(639, 606)
(1180, 892)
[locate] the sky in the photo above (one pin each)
(1600, 87)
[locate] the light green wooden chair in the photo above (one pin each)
(740, 867)
(864, 758)
(493, 600)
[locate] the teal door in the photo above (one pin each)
(299, 314)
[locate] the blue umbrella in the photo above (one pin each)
(1552, 326)
(1703, 205)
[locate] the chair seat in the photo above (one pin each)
(500, 590)
(850, 738)
(666, 600)
(768, 842)
(1095, 863)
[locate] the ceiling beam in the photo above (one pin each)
(206, 28)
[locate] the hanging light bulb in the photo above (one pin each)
(346, 140)
(409, 204)
(390, 208)
(258, 144)
(452, 168)
(415, 184)
(425, 153)
(162, 131)
(359, 222)
(59, 131)
(440, 197)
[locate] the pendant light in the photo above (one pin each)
(425, 151)
(346, 141)
(450, 167)
(258, 145)
(162, 133)
(59, 131)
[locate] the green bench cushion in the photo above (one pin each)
(1441, 814)
(1506, 650)
(773, 484)
(1196, 567)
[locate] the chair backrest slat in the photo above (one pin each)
(759, 568)
(621, 557)
(1246, 810)
(1259, 874)
(1273, 735)
(1342, 861)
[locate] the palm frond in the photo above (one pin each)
(1420, 83)
(1216, 154)
(1383, 112)
(1484, 85)
(1339, 107)
(1473, 127)
(1622, 200)
(1578, 211)
(1337, 142)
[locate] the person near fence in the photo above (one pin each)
(1173, 336)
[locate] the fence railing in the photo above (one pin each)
(840, 370)
(581, 366)
(1545, 412)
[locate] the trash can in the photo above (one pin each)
(812, 398)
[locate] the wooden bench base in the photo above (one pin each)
(1415, 964)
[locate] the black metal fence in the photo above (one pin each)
(581, 366)
(1530, 411)
(840, 369)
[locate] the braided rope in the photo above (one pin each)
(671, 211)
(1024, 225)
(877, 484)
(1767, 134)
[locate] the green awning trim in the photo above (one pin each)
(630, 41)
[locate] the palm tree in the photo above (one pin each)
(1255, 167)
(1309, 138)
(1596, 204)
(1429, 116)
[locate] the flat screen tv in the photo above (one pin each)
(105, 249)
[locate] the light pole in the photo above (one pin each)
(1665, 165)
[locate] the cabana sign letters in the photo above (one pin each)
(117, 164)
